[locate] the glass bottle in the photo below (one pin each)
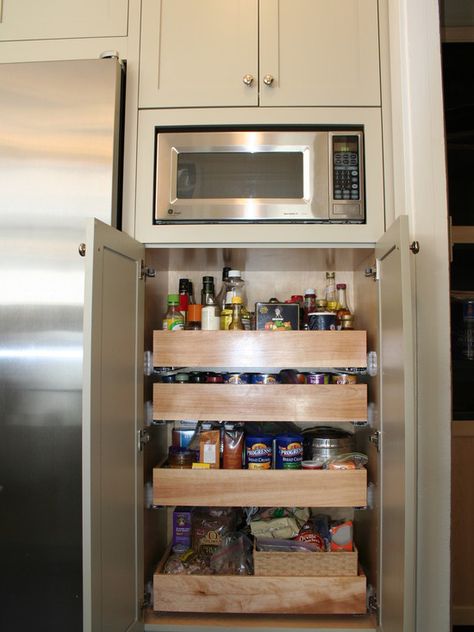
(236, 322)
(330, 292)
(220, 298)
(191, 293)
(309, 305)
(184, 297)
(194, 316)
(342, 307)
(173, 319)
(235, 286)
(208, 296)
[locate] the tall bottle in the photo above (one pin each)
(309, 306)
(342, 307)
(330, 292)
(208, 296)
(220, 298)
(173, 319)
(236, 322)
(184, 297)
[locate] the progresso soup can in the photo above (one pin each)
(259, 452)
(288, 451)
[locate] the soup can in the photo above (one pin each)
(317, 378)
(236, 378)
(259, 452)
(263, 378)
(288, 451)
(322, 320)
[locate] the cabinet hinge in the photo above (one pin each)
(146, 271)
(373, 271)
(143, 438)
(372, 603)
(376, 439)
(145, 601)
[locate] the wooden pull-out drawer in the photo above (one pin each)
(252, 594)
(261, 402)
(257, 349)
(260, 488)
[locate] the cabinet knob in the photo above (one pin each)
(268, 80)
(247, 79)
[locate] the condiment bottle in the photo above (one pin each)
(309, 305)
(184, 297)
(208, 292)
(173, 319)
(342, 308)
(220, 298)
(194, 316)
(236, 322)
(330, 292)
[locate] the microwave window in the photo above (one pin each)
(240, 175)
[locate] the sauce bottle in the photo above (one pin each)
(173, 320)
(342, 308)
(236, 322)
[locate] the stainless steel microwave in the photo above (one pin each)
(259, 176)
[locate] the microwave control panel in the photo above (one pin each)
(347, 176)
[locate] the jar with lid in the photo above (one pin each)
(330, 291)
(309, 305)
(181, 458)
(342, 307)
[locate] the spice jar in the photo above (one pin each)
(181, 458)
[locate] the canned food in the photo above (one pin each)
(236, 378)
(214, 378)
(317, 378)
(197, 377)
(167, 379)
(182, 378)
(263, 378)
(288, 451)
(301, 378)
(324, 442)
(344, 378)
(258, 452)
(322, 320)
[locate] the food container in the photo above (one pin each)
(344, 378)
(322, 320)
(288, 451)
(259, 452)
(277, 316)
(317, 378)
(214, 378)
(324, 442)
(181, 458)
(264, 378)
(311, 465)
(236, 378)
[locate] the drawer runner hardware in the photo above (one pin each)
(146, 271)
(143, 438)
(376, 439)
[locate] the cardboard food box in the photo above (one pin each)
(277, 316)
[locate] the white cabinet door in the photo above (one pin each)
(50, 19)
(318, 52)
(396, 593)
(199, 54)
(112, 416)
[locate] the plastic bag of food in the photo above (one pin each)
(233, 556)
(284, 546)
(347, 461)
(341, 535)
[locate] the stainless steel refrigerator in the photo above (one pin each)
(59, 164)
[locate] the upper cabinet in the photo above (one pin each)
(50, 19)
(259, 52)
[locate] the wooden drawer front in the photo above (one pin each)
(261, 402)
(251, 594)
(264, 488)
(257, 349)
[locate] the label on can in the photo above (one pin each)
(317, 378)
(259, 452)
(288, 451)
(264, 378)
(236, 378)
(344, 378)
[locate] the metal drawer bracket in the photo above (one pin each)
(143, 438)
(376, 439)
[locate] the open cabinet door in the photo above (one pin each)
(112, 417)
(396, 593)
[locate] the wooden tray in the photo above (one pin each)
(257, 349)
(260, 488)
(261, 402)
(310, 564)
(251, 594)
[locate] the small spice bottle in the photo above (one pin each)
(181, 458)
(194, 316)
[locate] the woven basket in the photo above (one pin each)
(310, 564)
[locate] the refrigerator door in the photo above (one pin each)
(58, 165)
(397, 586)
(112, 416)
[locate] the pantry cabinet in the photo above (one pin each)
(49, 19)
(117, 330)
(259, 52)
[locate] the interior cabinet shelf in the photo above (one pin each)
(260, 488)
(257, 402)
(257, 349)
